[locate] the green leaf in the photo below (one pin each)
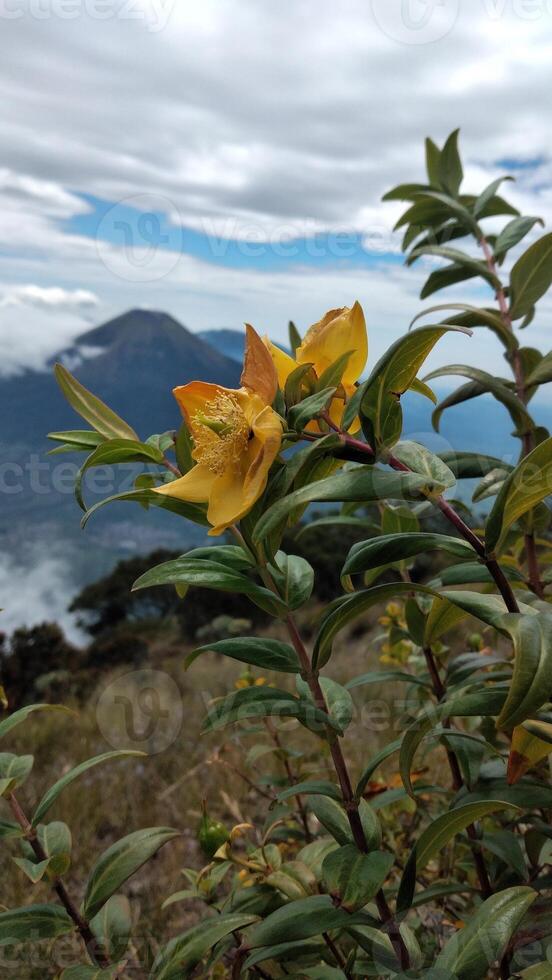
(531, 277)
(18, 717)
(435, 837)
(390, 548)
(333, 818)
(309, 408)
(487, 195)
(507, 847)
(475, 316)
(183, 448)
(312, 788)
(262, 702)
(34, 871)
(468, 466)
(149, 498)
(541, 373)
(302, 919)
(339, 701)
(120, 862)
(526, 486)
(541, 971)
(450, 165)
(92, 409)
(294, 578)
(355, 878)
(392, 377)
(286, 952)
(258, 651)
(425, 463)
(14, 770)
(361, 484)
(405, 192)
(33, 923)
(52, 794)
(532, 679)
(56, 842)
(339, 520)
(471, 951)
(77, 439)
(460, 260)
(451, 275)
(513, 233)
(487, 383)
(182, 954)
(294, 337)
(116, 451)
(382, 676)
(486, 702)
(209, 575)
(112, 926)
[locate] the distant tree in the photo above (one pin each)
(108, 602)
(33, 654)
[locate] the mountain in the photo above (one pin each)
(132, 362)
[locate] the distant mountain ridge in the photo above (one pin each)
(132, 362)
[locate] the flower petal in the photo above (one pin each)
(259, 372)
(283, 363)
(336, 333)
(193, 397)
(195, 486)
(234, 493)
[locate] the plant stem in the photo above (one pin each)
(349, 801)
(451, 515)
(83, 927)
(439, 689)
(527, 438)
(336, 953)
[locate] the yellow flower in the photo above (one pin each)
(337, 333)
(236, 435)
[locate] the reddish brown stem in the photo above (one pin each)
(350, 803)
(440, 691)
(528, 439)
(82, 925)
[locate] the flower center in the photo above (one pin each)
(221, 433)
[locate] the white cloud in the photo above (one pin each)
(251, 120)
(49, 298)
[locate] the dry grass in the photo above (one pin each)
(167, 789)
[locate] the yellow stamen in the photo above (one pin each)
(221, 433)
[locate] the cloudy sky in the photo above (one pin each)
(224, 160)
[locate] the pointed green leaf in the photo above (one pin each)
(435, 837)
(33, 923)
(531, 277)
(120, 862)
(92, 409)
(471, 951)
(52, 794)
(526, 486)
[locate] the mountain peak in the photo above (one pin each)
(133, 323)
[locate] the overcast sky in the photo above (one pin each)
(207, 158)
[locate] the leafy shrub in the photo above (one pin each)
(344, 875)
